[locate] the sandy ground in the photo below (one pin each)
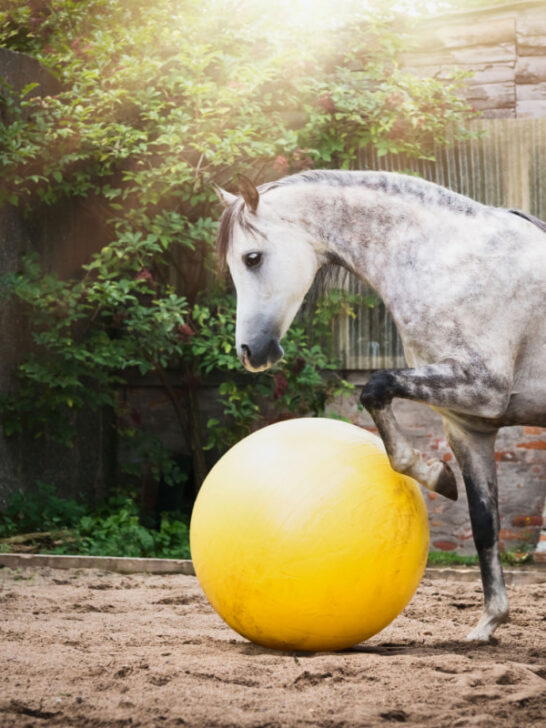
(97, 649)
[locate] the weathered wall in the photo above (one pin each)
(503, 46)
(85, 468)
(88, 466)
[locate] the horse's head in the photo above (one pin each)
(272, 261)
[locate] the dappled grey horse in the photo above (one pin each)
(465, 284)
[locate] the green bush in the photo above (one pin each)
(112, 529)
(117, 532)
(41, 511)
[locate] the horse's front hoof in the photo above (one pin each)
(447, 484)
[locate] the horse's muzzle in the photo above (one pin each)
(261, 356)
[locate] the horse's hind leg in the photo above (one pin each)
(475, 453)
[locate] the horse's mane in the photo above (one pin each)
(225, 231)
(232, 213)
(394, 183)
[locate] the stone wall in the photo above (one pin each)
(503, 46)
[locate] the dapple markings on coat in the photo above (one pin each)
(466, 286)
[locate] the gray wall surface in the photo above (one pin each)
(88, 466)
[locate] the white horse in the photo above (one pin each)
(465, 284)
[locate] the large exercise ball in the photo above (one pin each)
(304, 538)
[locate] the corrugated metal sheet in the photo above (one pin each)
(505, 166)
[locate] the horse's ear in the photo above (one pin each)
(248, 191)
(226, 198)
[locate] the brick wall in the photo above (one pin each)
(521, 464)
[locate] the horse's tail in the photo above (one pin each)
(525, 215)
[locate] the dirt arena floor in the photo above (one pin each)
(97, 649)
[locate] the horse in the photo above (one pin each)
(466, 286)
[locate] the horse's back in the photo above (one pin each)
(540, 224)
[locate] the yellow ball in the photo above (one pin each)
(304, 538)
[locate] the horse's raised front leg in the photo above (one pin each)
(432, 474)
(475, 453)
(464, 388)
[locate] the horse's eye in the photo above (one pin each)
(252, 260)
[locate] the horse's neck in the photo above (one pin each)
(370, 232)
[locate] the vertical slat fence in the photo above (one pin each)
(504, 166)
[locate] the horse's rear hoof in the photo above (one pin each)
(446, 484)
(483, 631)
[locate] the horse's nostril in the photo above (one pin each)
(246, 351)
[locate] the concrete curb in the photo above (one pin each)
(123, 565)
(513, 577)
(534, 574)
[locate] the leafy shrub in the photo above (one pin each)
(517, 556)
(39, 511)
(112, 529)
(116, 531)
